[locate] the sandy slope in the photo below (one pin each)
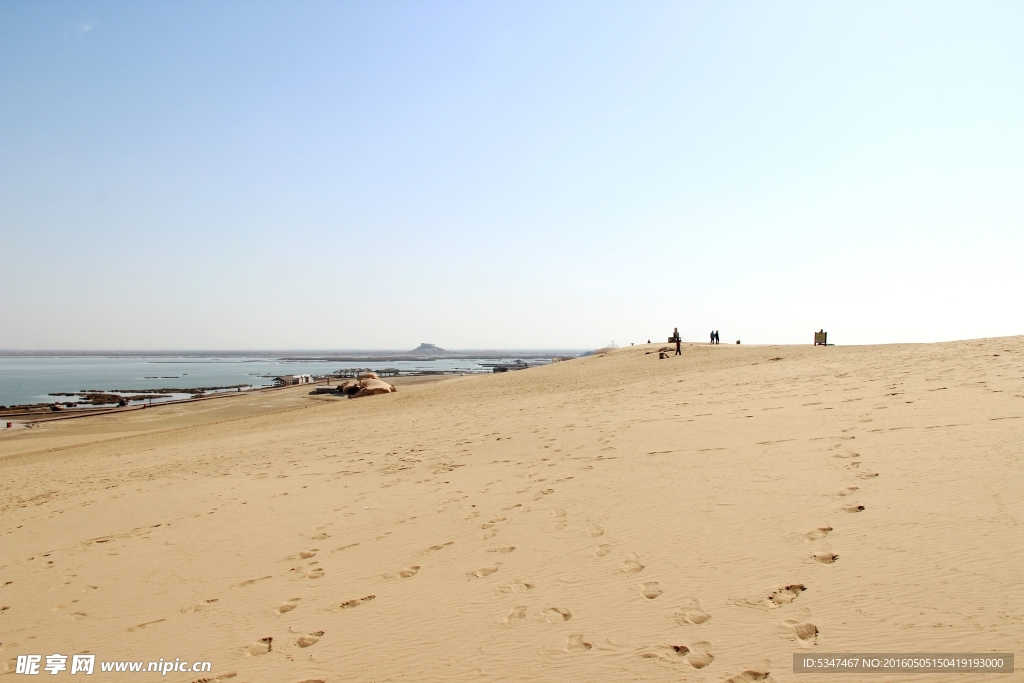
(568, 523)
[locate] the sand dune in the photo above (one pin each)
(618, 517)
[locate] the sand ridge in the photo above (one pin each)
(614, 517)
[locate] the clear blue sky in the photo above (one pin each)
(508, 175)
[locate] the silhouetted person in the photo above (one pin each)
(679, 342)
(718, 340)
(712, 337)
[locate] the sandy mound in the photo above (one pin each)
(368, 384)
(371, 387)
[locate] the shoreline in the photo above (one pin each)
(36, 384)
(45, 415)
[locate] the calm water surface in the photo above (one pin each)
(32, 380)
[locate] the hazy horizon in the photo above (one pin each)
(318, 175)
(265, 351)
(535, 350)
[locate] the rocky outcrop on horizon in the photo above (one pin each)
(425, 349)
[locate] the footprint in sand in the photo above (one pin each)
(820, 532)
(867, 475)
(785, 595)
(805, 632)
(602, 550)
(199, 607)
(345, 547)
(404, 572)
(632, 566)
(260, 647)
(691, 613)
(760, 673)
(485, 571)
(560, 522)
(825, 557)
(699, 654)
(517, 586)
(650, 590)
(516, 614)
(309, 639)
(503, 549)
(349, 604)
(665, 652)
(435, 548)
(218, 679)
(252, 581)
(314, 573)
(853, 508)
(302, 555)
(287, 606)
(595, 530)
(556, 615)
(849, 490)
(142, 625)
(575, 643)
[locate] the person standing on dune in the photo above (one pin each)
(678, 340)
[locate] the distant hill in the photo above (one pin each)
(427, 349)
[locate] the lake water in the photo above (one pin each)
(28, 380)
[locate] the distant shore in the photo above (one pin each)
(336, 355)
(37, 380)
(43, 412)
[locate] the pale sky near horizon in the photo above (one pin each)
(339, 175)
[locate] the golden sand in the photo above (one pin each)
(612, 518)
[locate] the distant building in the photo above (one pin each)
(285, 380)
